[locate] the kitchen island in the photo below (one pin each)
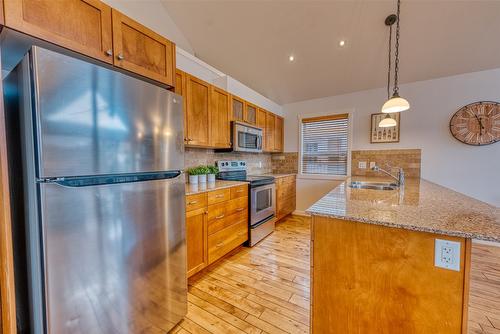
(373, 255)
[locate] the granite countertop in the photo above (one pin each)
(421, 206)
(209, 186)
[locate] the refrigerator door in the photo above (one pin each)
(90, 120)
(114, 256)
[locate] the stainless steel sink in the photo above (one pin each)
(373, 185)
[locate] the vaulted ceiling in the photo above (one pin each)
(252, 40)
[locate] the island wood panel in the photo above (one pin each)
(385, 281)
(142, 51)
(220, 118)
(196, 240)
(7, 289)
(197, 113)
(80, 25)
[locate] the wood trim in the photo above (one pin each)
(466, 289)
(325, 118)
(7, 291)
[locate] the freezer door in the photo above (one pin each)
(91, 120)
(114, 257)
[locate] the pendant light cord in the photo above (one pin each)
(390, 65)
(396, 61)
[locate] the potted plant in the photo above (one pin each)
(193, 173)
(202, 175)
(212, 171)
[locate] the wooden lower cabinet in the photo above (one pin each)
(285, 195)
(379, 279)
(196, 240)
(216, 223)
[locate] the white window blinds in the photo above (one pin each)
(324, 145)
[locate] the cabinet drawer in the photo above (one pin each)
(196, 201)
(222, 221)
(218, 196)
(224, 241)
(227, 208)
(239, 191)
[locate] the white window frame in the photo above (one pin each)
(350, 122)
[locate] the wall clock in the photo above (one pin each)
(477, 123)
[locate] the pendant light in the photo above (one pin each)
(387, 122)
(394, 103)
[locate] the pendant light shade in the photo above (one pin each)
(387, 122)
(395, 104)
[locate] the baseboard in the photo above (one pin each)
(488, 243)
(301, 213)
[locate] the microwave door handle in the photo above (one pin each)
(259, 142)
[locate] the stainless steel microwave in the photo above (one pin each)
(246, 138)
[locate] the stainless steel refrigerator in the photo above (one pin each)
(96, 156)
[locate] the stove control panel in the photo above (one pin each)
(231, 165)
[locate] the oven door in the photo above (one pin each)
(246, 138)
(262, 202)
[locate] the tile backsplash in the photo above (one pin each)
(408, 159)
(284, 163)
(257, 163)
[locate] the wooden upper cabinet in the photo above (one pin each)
(261, 123)
(220, 120)
(80, 25)
(197, 113)
(250, 113)
(270, 130)
(142, 51)
(237, 109)
(278, 134)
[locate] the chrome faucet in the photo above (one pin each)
(400, 176)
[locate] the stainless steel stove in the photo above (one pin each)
(261, 197)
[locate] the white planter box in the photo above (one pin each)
(193, 179)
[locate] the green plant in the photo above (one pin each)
(203, 170)
(213, 169)
(194, 171)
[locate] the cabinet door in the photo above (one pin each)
(278, 134)
(197, 111)
(80, 25)
(237, 109)
(220, 123)
(196, 240)
(270, 129)
(250, 113)
(142, 51)
(180, 88)
(261, 123)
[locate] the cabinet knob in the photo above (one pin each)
(120, 56)
(109, 52)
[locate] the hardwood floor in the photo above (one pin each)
(265, 289)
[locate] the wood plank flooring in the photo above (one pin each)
(265, 289)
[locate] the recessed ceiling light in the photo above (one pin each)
(342, 43)
(291, 58)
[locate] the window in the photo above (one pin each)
(325, 145)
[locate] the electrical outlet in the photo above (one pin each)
(260, 164)
(447, 254)
(362, 164)
(372, 164)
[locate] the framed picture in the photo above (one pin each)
(384, 135)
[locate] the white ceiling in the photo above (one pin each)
(251, 41)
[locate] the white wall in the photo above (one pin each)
(154, 15)
(471, 170)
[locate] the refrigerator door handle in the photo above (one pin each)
(97, 180)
